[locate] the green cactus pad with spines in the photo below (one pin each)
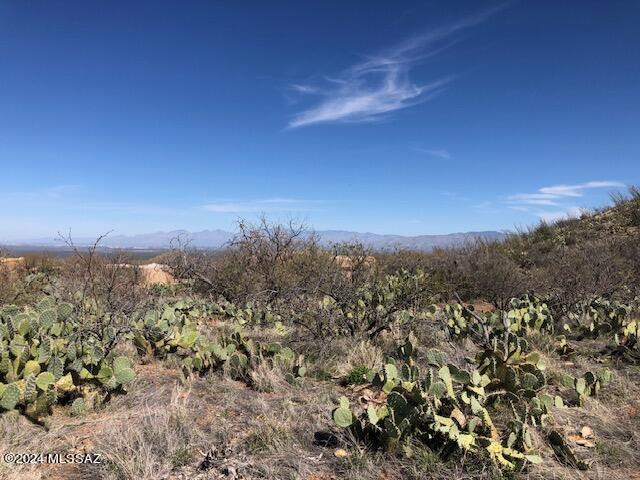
(78, 407)
(343, 416)
(65, 384)
(30, 392)
(122, 371)
(48, 317)
(10, 397)
(64, 311)
(45, 380)
(31, 367)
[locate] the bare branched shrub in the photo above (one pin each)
(630, 204)
(584, 272)
(443, 265)
(446, 273)
(105, 289)
(265, 262)
(362, 309)
(41, 263)
(7, 290)
(357, 263)
(491, 274)
(106, 280)
(404, 259)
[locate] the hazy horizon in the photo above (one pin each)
(219, 238)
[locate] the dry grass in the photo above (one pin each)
(267, 377)
(18, 435)
(364, 354)
(160, 439)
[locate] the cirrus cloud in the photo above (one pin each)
(369, 90)
(556, 196)
(553, 195)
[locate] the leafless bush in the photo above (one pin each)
(265, 262)
(107, 280)
(490, 273)
(586, 271)
(447, 276)
(105, 290)
(404, 259)
(6, 287)
(41, 263)
(357, 262)
(630, 204)
(20, 281)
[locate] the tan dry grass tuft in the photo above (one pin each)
(159, 440)
(364, 354)
(267, 377)
(18, 435)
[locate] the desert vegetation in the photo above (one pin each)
(280, 358)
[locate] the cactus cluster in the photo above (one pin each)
(458, 319)
(174, 332)
(526, 315)
(446, 405)
(613, 318)
(517, 371)
(529, 314)
(451, 407)
(599, 316)
(249, 314)
(47, 357)
(248, 354)
(376, 306)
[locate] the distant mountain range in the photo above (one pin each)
(215, 239)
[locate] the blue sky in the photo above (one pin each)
(389, 117)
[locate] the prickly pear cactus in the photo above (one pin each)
(45, 359)
(447, 407)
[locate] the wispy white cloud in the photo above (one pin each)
(533, 199)
(556, 196)
(578, 190)
(520, 208)
(369, 90)
(438, 153)
(552, 196)
(303, 88)
(262, 206)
